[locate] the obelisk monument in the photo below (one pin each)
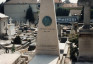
(86, 34)
(47, 39)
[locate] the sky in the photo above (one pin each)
(2, 1)
(73, 1)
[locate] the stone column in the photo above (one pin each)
(86, 15)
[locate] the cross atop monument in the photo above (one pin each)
(10, 20)
(87, 5)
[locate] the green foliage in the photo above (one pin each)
(73, 47)
(73, 54)
(13, 48)
(74, 39)
(17, 40)
(62, 12)
(30, 15)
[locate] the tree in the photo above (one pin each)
(7, 0)
(2, 8)
(73, 47)
(30, 15)
(62, 12)
(17, 40)
(91, 15)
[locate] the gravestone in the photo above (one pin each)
(11, 28)
(27, 22)
(47, 39)
(86, 34)
(10, 20)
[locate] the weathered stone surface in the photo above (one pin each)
(86, 46)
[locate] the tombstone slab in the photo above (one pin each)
(47, 39)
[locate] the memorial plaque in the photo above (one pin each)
(47, 21)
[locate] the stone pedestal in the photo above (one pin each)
(47, 39)
(86, 34)
(86, 45)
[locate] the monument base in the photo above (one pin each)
(85, 45)
(44, 59)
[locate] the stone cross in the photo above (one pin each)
(87, 4)
(10, 20)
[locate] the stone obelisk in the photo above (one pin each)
(86, 34)
(47, 39)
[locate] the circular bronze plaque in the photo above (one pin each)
(47, 21)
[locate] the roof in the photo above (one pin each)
(58, 1)
(66, 5)
(73, 12)
(21, 1)
(3, 15)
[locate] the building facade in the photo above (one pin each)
(58, 3)
(3, 23)
(16, 9)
